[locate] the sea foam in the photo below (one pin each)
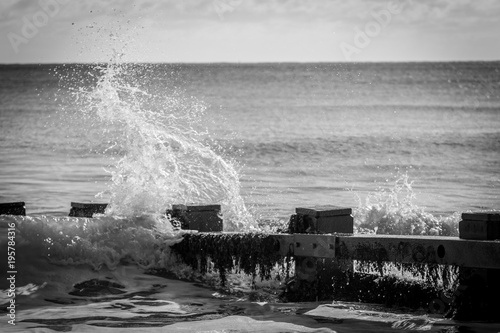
(166, 157)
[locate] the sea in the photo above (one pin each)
(407, 146)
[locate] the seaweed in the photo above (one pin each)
(389, 290)
(415, 285)
(251, 253)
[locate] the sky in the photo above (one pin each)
(57, 31)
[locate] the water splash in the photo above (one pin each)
(102, 241)
(165, 155)
(48, 244)
(394, 212)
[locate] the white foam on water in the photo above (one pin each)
(102, 241)
(393, 211)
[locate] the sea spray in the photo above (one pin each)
(165, 158)
(394, 212)
(102, 241)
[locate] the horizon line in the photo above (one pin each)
(247, 63)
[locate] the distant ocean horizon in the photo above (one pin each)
(256, 62)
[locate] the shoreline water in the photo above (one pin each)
(152, 304)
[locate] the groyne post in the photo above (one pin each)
(314, 277)
(79, 209)
(205, 218)
(13, 208)
(478, 294)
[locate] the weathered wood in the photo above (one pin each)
(12, 208)
(335, 224)
(306, 245)
(420, 249)
(194, 208)
(315, 264)
(481, 216)
(480, 226)
(321, 259)
(324, 211)
(322, 220)
(202, 218)
(479, 289)
(391, 248)
(86, 209)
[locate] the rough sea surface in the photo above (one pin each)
(409, 146)
(298, 134)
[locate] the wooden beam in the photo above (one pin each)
(420, 249)
(86, 209)
(13, 208)
(392, 248)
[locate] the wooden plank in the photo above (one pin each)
(319, 258)
(327, 210)
(333, 224)
(203, 208)
(207, 220)
(198, 208)
(481, 216)
(202, 218)
(392, 248)
(89, 205)
(309, 245)
(12, 208)
(286, 243)
(480, 230)
(12, 204)
(86, 209)
(420, 249)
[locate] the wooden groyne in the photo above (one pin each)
(322, 249)
(321, 261)
(13, 208)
